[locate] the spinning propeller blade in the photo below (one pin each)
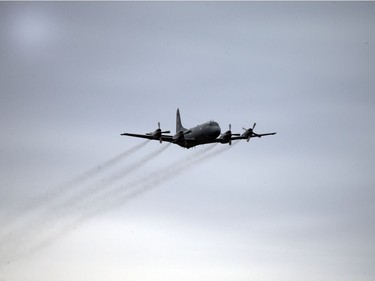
(250, 132)
(162, 132)
(229, 134)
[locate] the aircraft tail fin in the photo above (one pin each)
(179, 126)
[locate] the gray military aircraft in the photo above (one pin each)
(208, 132)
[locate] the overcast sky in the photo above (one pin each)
(299, 205)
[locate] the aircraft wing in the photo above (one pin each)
(150, 137)
(247, 136)
(229, 139)
(254, 135)
(261, 135)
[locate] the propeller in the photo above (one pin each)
(230, 129)
(162, 132)
(228, 135)
(249, 132)
(157, 133)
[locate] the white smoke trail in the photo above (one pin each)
(172, 171)
(110, 199)
(104, 185)
(71, 205)
(107, 198)
(63, 189)
(116, 198)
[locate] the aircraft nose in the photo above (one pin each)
(216, 131)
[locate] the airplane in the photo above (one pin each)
(208, 132)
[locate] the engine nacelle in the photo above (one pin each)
(179, 137)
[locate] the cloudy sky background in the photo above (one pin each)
(298, 205)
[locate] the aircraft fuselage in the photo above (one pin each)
(201, 134)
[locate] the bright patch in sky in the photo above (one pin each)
(31, 31)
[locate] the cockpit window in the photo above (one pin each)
(212, 123)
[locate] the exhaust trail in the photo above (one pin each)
(157, 178)
(101, 168)
(36, 236)
(106, 165)
(170, 173)
(116, 197)
(24, 220)
(61, 190)
(112, 195)
(104, 185)
(69, 207)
